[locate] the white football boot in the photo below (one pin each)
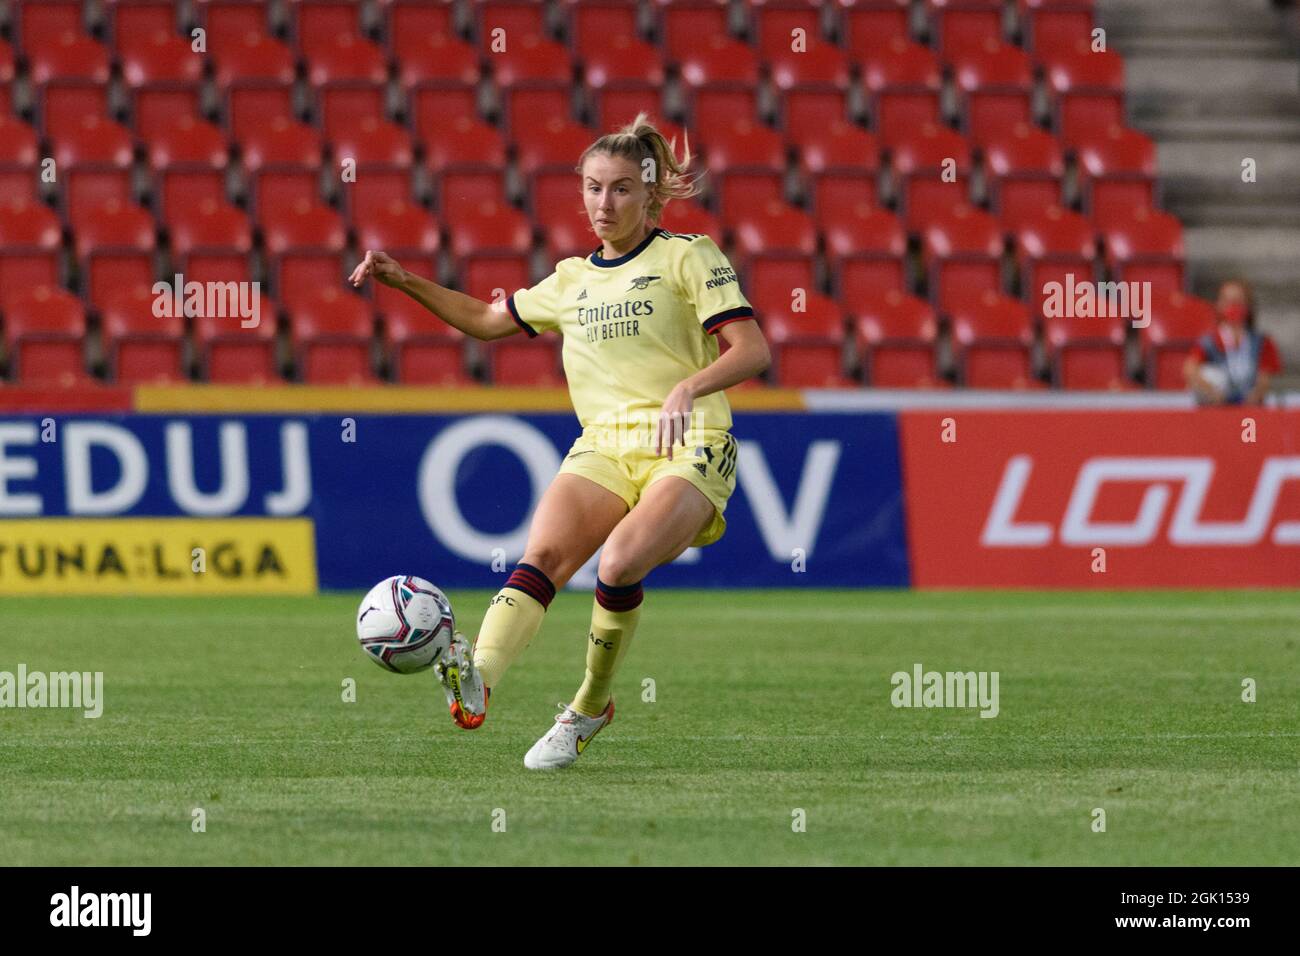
(567, 739)
(467, 698)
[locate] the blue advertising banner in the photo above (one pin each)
(818, 500)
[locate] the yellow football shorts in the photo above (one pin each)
(628, 468)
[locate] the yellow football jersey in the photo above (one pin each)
(636, 326)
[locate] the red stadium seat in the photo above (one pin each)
(424, 349)
(839, 146)
(216, 266)
(932, 166)
(749, 159)
(520, 362)
(776, 281)
(1117, 172)
(567, 235)
(254, 56)
(70, 57)
(616, 104)
(67, 105)
(719, 60)
(895, 335)
(87, 187)
(1087, 90)
(30, 238)
(44, 329)
(778, 227)
(436, 111)
(1055, 26)
(962, 252)
(134, 23)
(807, 113)
(531, 61)
(903, 86)
(622, 59)
(686, 25)
(748, 191)
(871, 26)
(142, 348)
(462, 191)
(491, 228)
(555, 194)
(229, 22)
(1177, 320)
(94, 140)
(836, 192)
(716, 107)
(159, 107)
(807, 346)
(253, 105)
(465, 141)
(187, 141)
(116, 244)
(557, 142)
(165, 61)
(397, 228)
(992, 338)
(208, 226)
(996, 85)
(866, 247)
(684, 216)
(377, 187)
(596, 23)
(331, 333)
(775, 23)
(347, 58)
(346, 104)
(517, 18)
(494, 277)
(529, 108)
(1086, 353)
(821, 67)
(19, 143)
(438, 60)
(183, 189)
(409, 22)
(304, 243)
(230, 354)
(1024, 169)
(319, 24)
(275, 189)
(1147, 248)
(1057, 247)
(964, 25)
(44, 23)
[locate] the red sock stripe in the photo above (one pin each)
(533, 582)
(625, 597)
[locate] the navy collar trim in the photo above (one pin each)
(595, 259)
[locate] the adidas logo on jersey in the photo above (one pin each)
(582, 295)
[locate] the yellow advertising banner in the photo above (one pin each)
(158, 556)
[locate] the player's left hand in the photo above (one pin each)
(674, 419)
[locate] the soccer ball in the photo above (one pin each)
(405, 624)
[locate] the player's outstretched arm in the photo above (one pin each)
(472, 316)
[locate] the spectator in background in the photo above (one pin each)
(1232, 364)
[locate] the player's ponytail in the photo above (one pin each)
(663, 173)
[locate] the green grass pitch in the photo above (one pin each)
(765, 703)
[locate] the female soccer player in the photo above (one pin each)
(639, 318)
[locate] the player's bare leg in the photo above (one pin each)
(663, 524)
(572, 520)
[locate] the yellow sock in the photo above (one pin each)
(512, 621)
(614, 616)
